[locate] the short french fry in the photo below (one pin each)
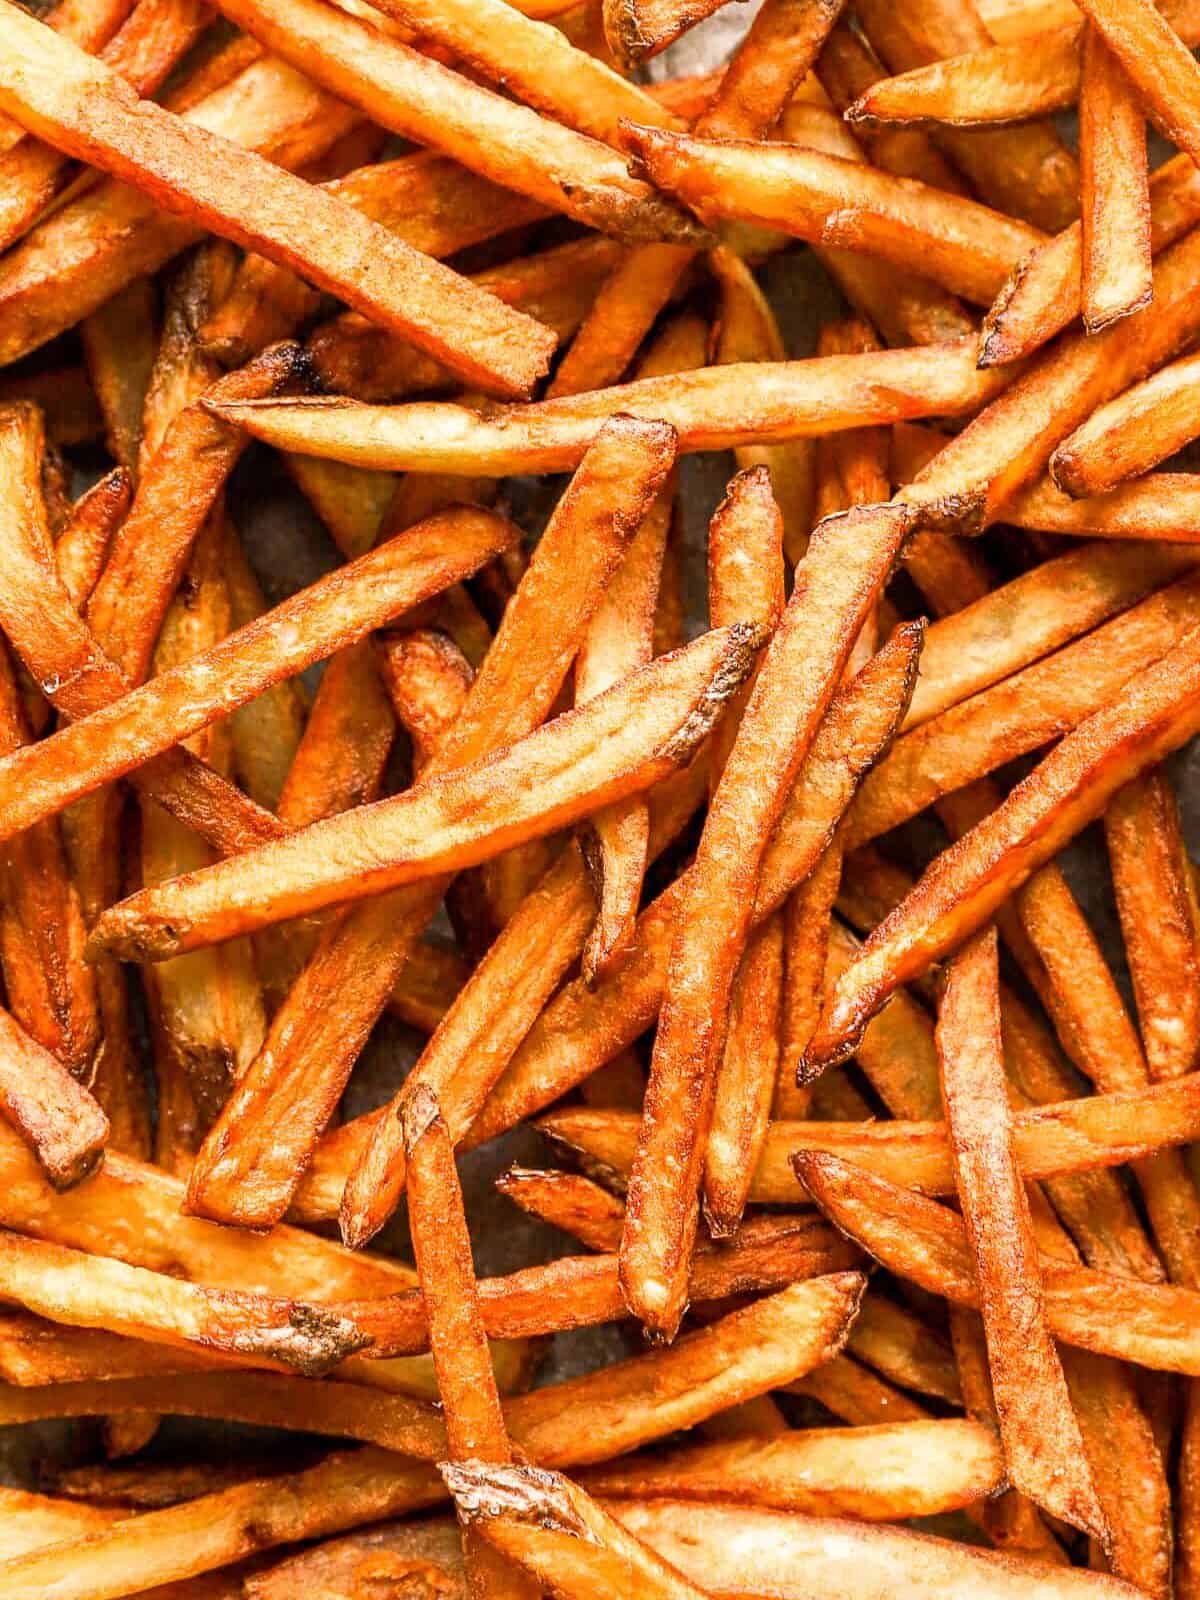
(570, 1201)
(558, 1534)
(1148, 1324)
(802, 1558)
(716, 409)
(95, 1291)
(83, 545)
(969, 248)
(878, 1474)
(259, 206)
(779, 47)
(1157, 906)
(1132, 433)
(511, 144)
(1067, 1136)
(1114, 190)
(334, 611)
(1043, 1447)
(1152, 717)
(255, 1175)
(836, 585)
(56, 1115)
(637, 29)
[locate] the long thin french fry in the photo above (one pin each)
(1158, 63)
(1043, 1447)
(119, 343)
(1114, 190)
(719, 408)
(56, 92)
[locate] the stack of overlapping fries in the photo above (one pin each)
(856, 1122)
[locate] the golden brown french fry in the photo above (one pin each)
(149, 44)
(743, 1550)
(57, 1116)
(82, 547)
(358, 961)
(1114, 189)
(1132, 433)
(836, 585)
(1031, 616)
(470, 1401)
(557, 1534)
(119, 343)
(333, 612)
(259, 206)
(969, 248)
(33, 1521)
(428, 1550)
(878, 1474)
(83, 253)
(1009, 443)
(1066, 1136)
(1068, 789)
(1148, 1324)
(1157, 906)
(779, 47)
(1025, 171)
(716, 409)
(148, 1485)
(420, 99)
(807, 919)
(568, 1200)
(1158, 63)
(1043, 1446)
(1159, 506)
(96, 1291)
(1019, 715)
(637, 29)
(1043, 295)
(856, 1395)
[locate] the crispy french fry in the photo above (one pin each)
(119, 342)
(1043, 1447)
(1158, 63)
(802, 1558)
(359, 960)
(637, 29)
(1031, 616)
(95, 1291)
(1044, 294)
(334, 611)
(971, 249)
(1068, 1136)
(557, 1534)
(1015, 717)
(1156, 901)
(396, 1552)
(470, 1401)
(807, 918)
(855, 1395)
(56, 1115)
(1131, 434)
(1148, 1324)
(82, 547)
(1070, 787)
(833, 593)
(420, 99)
(258, 206)
(779, 47)
(568, 1200)
(878, 1474)
(1114, 190)
(708, 410)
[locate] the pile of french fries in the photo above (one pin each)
(885, 1164)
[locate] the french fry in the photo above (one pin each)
(557, 1534)
(807, 918)
(1043, 295)
(1025, 171)
(94, 1291)
(1131, 434)
(1156, 901)
(56, 1115)
(466, 1384)
(1158, 63)
(1158, 506)
(82, 547)
(637, 29)
(878, 1474)
(582, 1291)
(83, 253)
(1137, 729)
(393, 1552)
(1145, 1323)
(855, 1395)
(569, 1201)
(360, 959)
(708, 410)
(334, 611)
(832, 596)
(1054, 603)
(150, 43)
(779, 47)
(1015, 717)
(119, 343)
(420, 99)
(968, 248)
(1077, 1135)
(1114, 190)
(803, 1558)
(1043, 1447)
